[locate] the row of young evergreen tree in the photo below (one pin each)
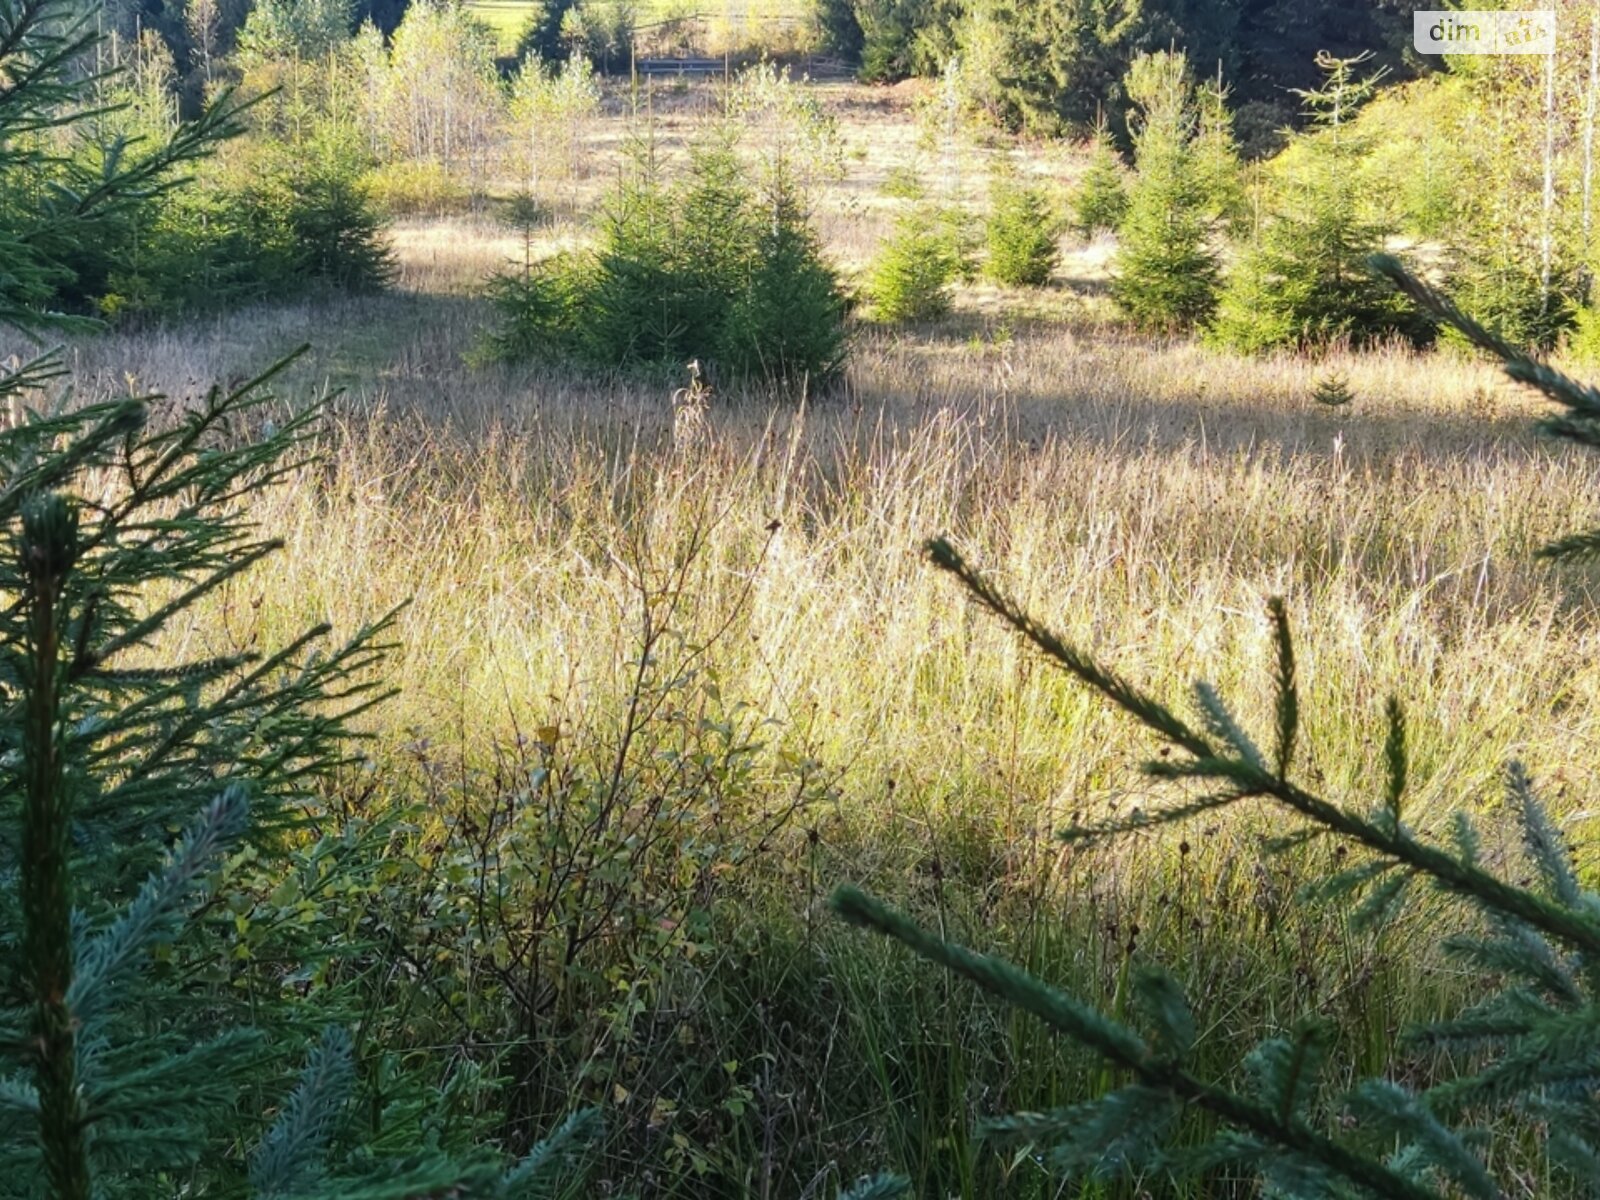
(332, 129)
(1300, 274)
(270, 206)
(1274, 254)
(720, 265)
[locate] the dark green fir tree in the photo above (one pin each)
(1019, 234)
(1101, 197)
(1165, 273)
(1305, 280)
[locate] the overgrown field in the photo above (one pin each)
(710, 668)
(860, 722)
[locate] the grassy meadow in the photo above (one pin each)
(738, 616)
(737, 23)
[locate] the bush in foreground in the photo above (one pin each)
(137, 776)
(1522, 1061)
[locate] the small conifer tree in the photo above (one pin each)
(1305, 279)
(1526, 1053)
(1165, 271)
(714, 268)
(1101, 197)
(912, 277)
(785, 325)
(58, 210)
(1333, 390)
(1216, 152)
(115, 527)
(1020, 235)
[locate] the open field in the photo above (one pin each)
(1143, 497)
(508, 18)
(505, 17)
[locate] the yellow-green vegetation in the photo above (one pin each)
(507, 18)
(1143, 497)
(645, 538)
(731, 22)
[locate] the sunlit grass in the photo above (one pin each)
(508, 18)
(1142, 497)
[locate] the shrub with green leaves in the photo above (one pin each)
(1518, 1062)
(275, 221)
(1020, 236)
(408, 189)
(263, 206)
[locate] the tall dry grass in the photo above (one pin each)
(1143, 498)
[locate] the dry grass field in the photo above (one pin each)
(1142, 497)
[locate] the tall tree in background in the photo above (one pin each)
(440, 97)
(385, 15)
(1064, 59)
(541, 39)
(296, 28)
